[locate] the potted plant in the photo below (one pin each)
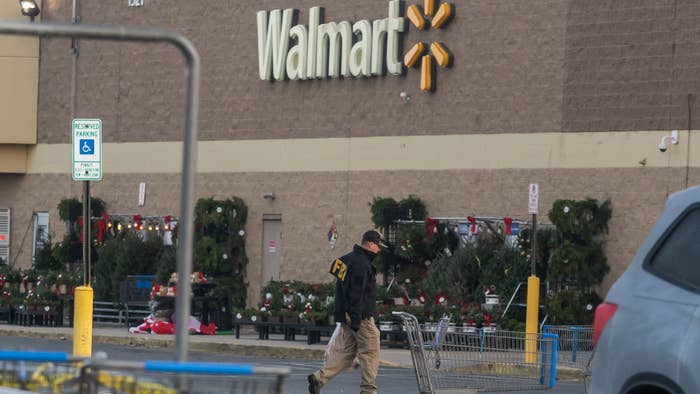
(31, 300)
(289, 315)
(385, 319)
(64, 282)
(308, 314)
(247, 314)
(5, 300)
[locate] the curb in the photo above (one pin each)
(153, 342)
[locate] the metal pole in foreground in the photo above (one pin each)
(189, 162)
(86, 233)
(533, 283)
(84, 296)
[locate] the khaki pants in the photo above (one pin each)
(365, 345)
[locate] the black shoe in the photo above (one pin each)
(314, 387)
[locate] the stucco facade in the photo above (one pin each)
(574, 95)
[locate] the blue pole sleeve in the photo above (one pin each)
(553, 365)
(199, 368)
(574, 342)
(17, 355)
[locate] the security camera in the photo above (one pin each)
(674, 140)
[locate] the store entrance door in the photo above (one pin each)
(272, 248)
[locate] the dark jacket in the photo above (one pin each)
(355, 292)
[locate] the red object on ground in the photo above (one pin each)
(163, 328)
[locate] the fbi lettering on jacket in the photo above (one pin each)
(339, 269)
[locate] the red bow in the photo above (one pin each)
(137, 222)
(102, 226)
(431, 227)
(509, 223)
(472, 228)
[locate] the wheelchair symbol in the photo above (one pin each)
(87, 147)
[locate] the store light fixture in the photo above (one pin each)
(29, 8)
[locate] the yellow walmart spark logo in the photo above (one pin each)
(437, 51)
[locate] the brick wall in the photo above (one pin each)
(309, 203)
(507, 75)
(630, 65)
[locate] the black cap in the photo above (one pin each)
(373, 236)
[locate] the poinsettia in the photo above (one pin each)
(422, 298)
(441, 299)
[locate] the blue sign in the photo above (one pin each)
(87, 147)
(515, 229)
(463, 229)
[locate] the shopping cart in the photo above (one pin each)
(481, 360)
(39, 372)
(167, 377)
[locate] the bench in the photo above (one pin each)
(107, 312)
(236, 326)
(135, 312)
(39, 317)
(6, 313)
(315, 333)
(134, 293)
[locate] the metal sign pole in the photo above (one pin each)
(86, 233)
(189, 157)
(533, 253)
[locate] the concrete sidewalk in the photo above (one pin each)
(247, 344)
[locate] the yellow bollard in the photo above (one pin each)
(533, 302)
(82, 322)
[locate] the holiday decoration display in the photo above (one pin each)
(220, 246)
(577, 263)
(162, 299)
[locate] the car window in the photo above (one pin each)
(677, 258)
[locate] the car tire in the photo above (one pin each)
(650, 384)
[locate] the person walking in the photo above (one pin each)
(355, 298)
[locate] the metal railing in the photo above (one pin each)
(575, 345)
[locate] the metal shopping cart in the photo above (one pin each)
(39, 372)
(58, 373)
(166, 377)
(480, 360)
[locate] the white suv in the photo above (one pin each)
(648, 329)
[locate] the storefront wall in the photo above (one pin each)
(521, 70)
(309, 203)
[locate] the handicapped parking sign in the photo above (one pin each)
(87, 149)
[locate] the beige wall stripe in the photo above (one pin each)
(443, 152)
